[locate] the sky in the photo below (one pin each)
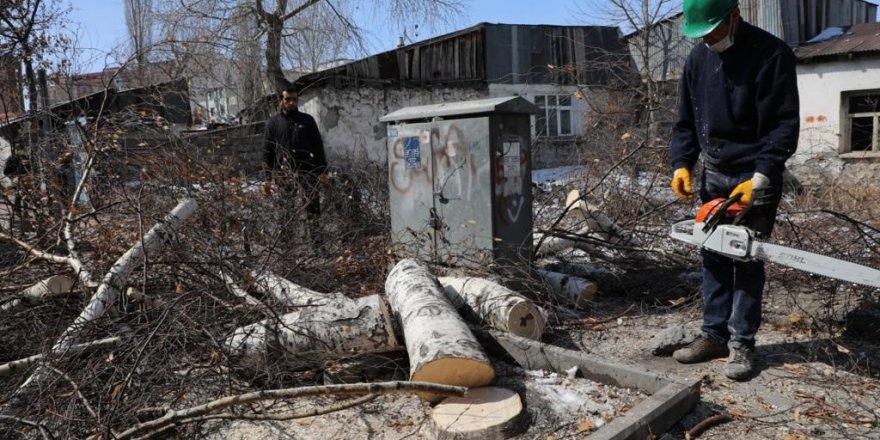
(100, 24)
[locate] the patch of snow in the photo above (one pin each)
(547, 178)
(827, 34)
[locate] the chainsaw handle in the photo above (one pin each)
(720, 212)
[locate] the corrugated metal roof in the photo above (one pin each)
(506, 104)
(858, 39)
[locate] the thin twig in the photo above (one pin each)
(707, 423)
(173, 417)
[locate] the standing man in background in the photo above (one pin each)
(738, 114)
(293, 144)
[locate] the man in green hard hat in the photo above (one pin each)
(738, 116)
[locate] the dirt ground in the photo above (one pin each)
(810, 383)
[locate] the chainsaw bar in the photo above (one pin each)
(816, 263)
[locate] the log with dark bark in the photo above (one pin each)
(495, 305)
(440, 345)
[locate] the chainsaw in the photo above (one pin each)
(717, 229)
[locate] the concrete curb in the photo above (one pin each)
(671, 398)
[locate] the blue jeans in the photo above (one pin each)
(733, 290)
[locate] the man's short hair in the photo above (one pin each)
(289, 90)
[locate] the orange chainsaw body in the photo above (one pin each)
(710, 208)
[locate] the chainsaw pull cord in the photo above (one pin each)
(720, 212)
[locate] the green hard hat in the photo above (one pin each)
(703, 16)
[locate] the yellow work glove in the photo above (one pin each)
(681, 184)
(748, 188)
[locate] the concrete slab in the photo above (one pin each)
(670, 397)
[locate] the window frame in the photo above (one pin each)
(847, 118)
(542, 126)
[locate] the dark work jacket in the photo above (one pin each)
(738, 109)
(294, 142)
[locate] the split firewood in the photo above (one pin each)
(291, 294)
(45, 289)
(495, 305)
(569, 289)
(440, 345)
(484, 413)
(311, 335)
(598, 222)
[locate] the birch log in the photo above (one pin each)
(311, 335)
(548, 244)
(598, 222)
(569, 289)
(114, 280)
(52, 286)
(441, 347)
(496, 305)
(291, 294)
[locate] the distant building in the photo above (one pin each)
(11, 96)
(839, 83)
(559, 68)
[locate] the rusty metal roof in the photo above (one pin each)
(858, 39)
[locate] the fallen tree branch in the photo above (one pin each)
(21, 364)
(707, 423)
(173, 417)
(52, 286)
(76, 390)
(44, 432)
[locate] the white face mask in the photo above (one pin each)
(722, 45)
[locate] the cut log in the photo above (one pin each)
(291, 294)
(313, 334)
(440, 345)
(598, 222)
(548, 244)
(569, 289)
(495, 305)
(52, 286)
(484, 413)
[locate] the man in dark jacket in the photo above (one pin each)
(738, 114)
(292, 144)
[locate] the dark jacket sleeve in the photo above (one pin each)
(685, 146)
(778, 106)
(317, 143)
(270, 145)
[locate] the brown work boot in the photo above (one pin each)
(701, 350)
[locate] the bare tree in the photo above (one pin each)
(139, 20)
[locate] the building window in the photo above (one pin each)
(862, 122)
(554, 119)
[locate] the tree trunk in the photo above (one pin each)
(484, 413)
(290, 294)
(572, 290)
(313, 334)
(441, 348)
(52, 286)
(495, 305)
(114, 280)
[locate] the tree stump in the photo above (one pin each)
(484, 413)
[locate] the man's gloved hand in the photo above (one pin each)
(681, 184)
(756, 190)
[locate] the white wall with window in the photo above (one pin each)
(562, 108)
(840, 107)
